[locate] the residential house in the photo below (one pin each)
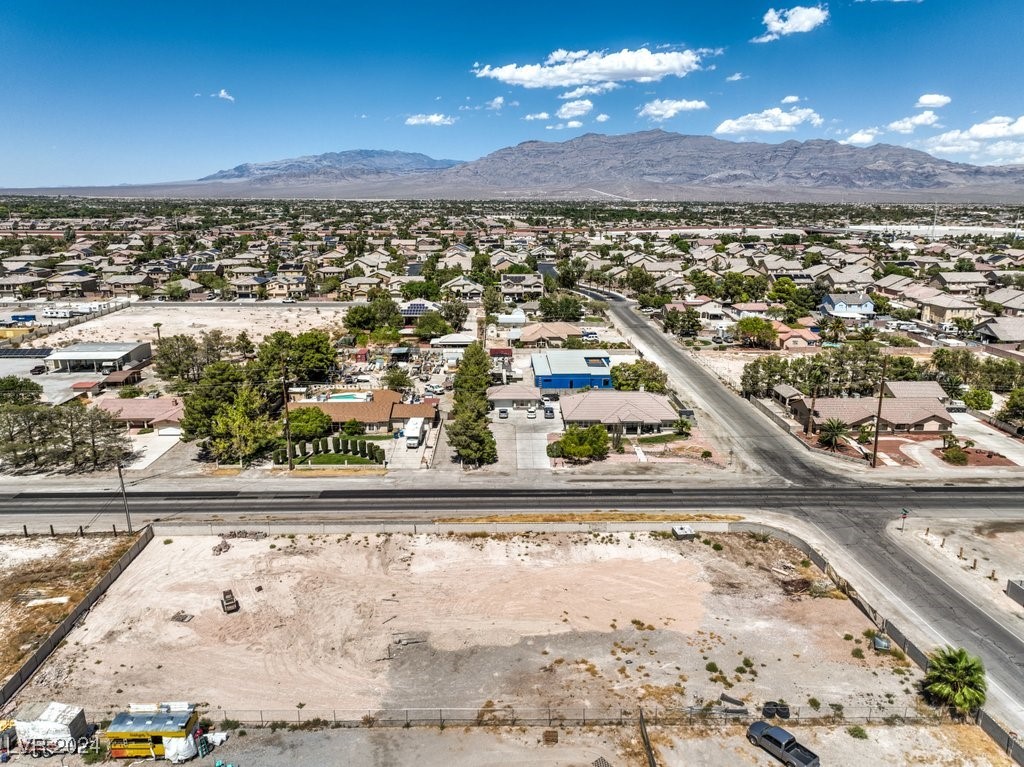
(285, 286)
(961, 283)
(382, 411)
(548, 334)
(145, 412)
(899, 414)
(915, 389)
(794, 338)
(463, 288)
(1001, 330)
(248, 287)
(945, 308)
(74, 285)
(634, 412)
(18, 285)
(847, 305)
(521, 287)
(125, 284)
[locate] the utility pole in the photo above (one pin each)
(878, 414)
(124, 497)
(284, 405)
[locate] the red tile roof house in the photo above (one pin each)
(793, 338)
(145, 412)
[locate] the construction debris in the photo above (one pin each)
(252, 535)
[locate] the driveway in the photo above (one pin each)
(524, 440)
(988, 437)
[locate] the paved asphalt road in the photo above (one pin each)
(851, 514)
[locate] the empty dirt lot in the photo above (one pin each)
(341, 626)
(258, 320)
(41, 580)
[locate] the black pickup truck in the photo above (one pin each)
(782, 745)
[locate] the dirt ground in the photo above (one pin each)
(136, 323)
(994, 545)
(41, 580)
(960, 746)
(338, 626)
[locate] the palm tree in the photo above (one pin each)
(832, 432)
(956, 679)
(816, 378)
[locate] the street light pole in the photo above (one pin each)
(124, 497)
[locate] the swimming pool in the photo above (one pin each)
(353, 396)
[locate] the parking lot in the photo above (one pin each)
(526, 438)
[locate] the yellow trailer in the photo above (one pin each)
(166, 730)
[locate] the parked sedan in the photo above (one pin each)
(531, 411)
(549, 412)
(502, 412)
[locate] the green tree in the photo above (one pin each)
(689, 323)
(173, 291)
(243, 344)
(242, 431)
(756, 331)
(381, 312)
(15, 390)
(964, 326)
(642, 374)
(570, 270)
(427, 290)
(832, 432)
(563, 307)
(469, 432)
(978, 399)
(397, 379)
(455, 313)
(956, 679)
(213, 392)
(492, 301)
(432, 325)
(1013, 408)
(583, 444)
(308, 423)
(179, 357)
(639, 281)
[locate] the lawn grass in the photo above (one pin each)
(328, 459)
(659, 439)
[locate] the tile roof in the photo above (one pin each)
(612, 407)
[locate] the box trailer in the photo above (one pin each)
(23, 318)
(45, 729)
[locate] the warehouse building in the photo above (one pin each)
(98, 357)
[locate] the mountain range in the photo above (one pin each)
(649, 165)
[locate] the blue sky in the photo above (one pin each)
(109, 92)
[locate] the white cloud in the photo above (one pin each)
(602, 118)
(565, 69)
(772, 120)
(589, 90)
(998, 140)
(863, 136)
(196, 95)
(538, 116)
(790, 100)
(735, 77)
(933, 100)
(908, 124)
(434, 119)
(574, 109)
(799, 18)
(496, 103)
(665, 109)
(222, 94)
(566, 125)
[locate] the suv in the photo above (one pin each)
(38, 370)
(502, 412)
(549, 412)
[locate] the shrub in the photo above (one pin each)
(712, 667)
(705, 455)
(814, 703)
(717, 546)
(858, 732)
(361, 447)
(315, 445)
(230, 724)
(955, 455)
(857, 653)
(345, 445)
(336, 444)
